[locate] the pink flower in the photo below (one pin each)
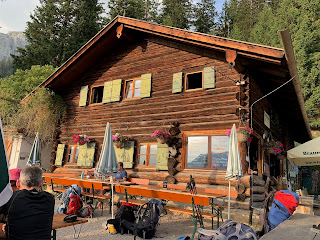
(281, 145)
(78, 137)
(75, 141)
(81, 142)
(249, 139)
(274, 148)
(73, 137)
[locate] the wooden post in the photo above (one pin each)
(243, 154)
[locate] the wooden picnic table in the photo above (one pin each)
(175, 195)
(59, 223)
(297, 227)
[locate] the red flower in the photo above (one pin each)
(81, 142)
(249, 139)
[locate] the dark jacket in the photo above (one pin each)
(30, 215)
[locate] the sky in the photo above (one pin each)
(14, 14)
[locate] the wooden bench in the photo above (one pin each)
(84, 184)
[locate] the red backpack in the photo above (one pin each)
(75, 204)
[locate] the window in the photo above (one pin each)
(132, 88)
(147, 154)
(193, 81)
(73, 153)
(207, 151)
(97, 94)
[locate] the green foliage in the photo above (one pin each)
(15, 87)
(204, 15)
(40, 113)
(176, 13)
(139, 9)
(58, 28)
(6, 67)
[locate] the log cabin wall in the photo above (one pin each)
(202, 110)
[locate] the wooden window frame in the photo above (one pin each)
(125, 89)
(91, 95)
(74, 154)
(184, 153)
(185, 77)
(147, 154)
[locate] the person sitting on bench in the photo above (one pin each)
(30, 212)
(121, 175)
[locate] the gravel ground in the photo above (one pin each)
(171, 227)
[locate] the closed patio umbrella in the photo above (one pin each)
(234, 167)
(34, 157)
(108, 161)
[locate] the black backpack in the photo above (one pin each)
(125, 212)
(148, 217)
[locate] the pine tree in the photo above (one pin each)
(204, 15)
(176, 13)
(58, 28)
(139, 9)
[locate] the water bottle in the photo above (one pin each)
(82, 174)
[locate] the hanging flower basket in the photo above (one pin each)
(119, 140)
(273, 147)
(162, 140)
(242, 137)
(117, 144)
(80, 139)
(161, 136)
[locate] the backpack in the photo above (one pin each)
(73, 189)
(148, 217)
(125, 212)
(283, 204)
(86, 212)
(229, 230)
(74, 205)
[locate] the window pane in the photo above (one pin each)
(137, 84)
(153, 149)
(71, 150)
(136, 93)
(77, 150)
(142, 159)
(129, 89)
(143, 149)
(219, 151)
(70, 158)
(197, 152)
(75, 159)
(152, 160)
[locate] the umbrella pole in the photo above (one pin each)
(229, 200)
(111, 180)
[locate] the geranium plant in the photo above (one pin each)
(246, 131)
(161, 134)
(80, 139)
(120, 138)
(275, 146)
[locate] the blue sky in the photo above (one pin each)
(15, 13)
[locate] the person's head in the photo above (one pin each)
(30, 177)
(120, 164)
(14, 177)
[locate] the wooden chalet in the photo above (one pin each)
(141, 77)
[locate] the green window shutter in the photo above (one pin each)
(145, 85)
(125, 154)
(162, 157)
(83, 96)
(116, 90)
(107, 91)
(59, 155)
(209, 78)
(177, 82)
(86, 154)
